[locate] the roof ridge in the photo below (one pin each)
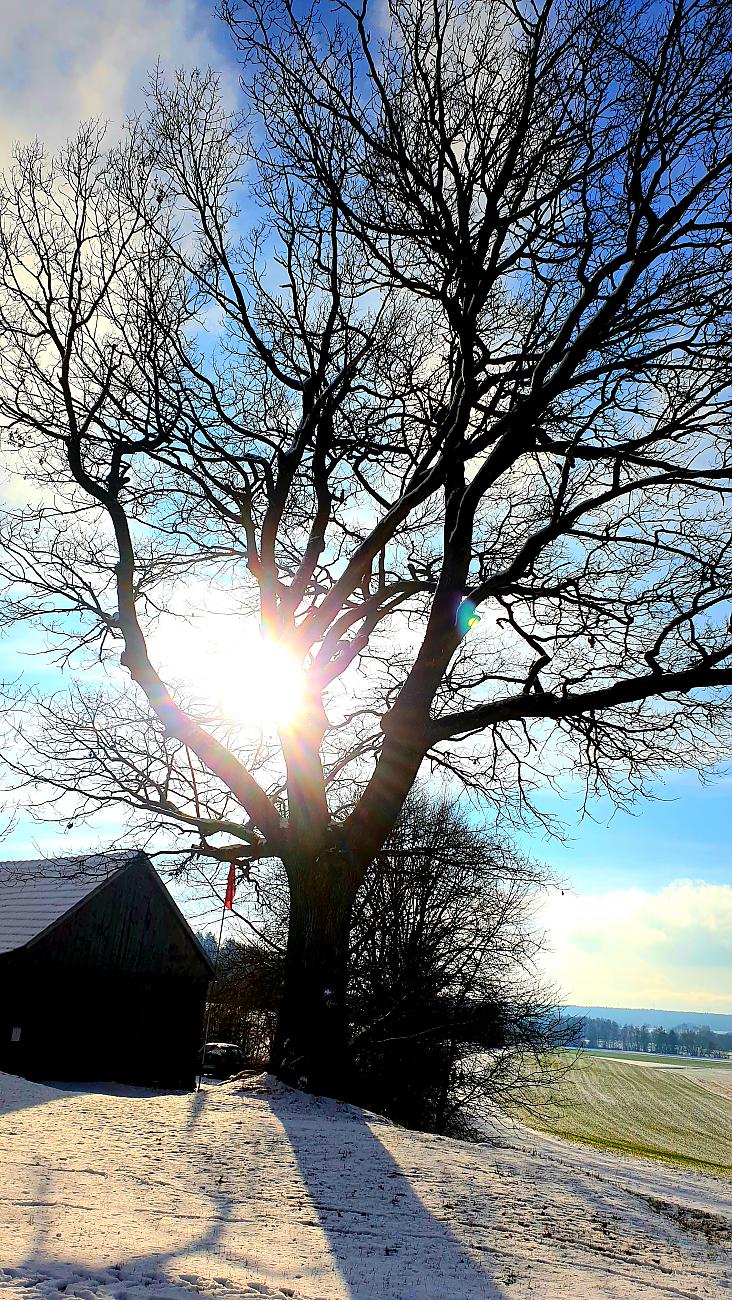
(36, 893)
(72, 857)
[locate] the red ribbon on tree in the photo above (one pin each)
(230, 888)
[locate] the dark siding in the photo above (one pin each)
(116, 990)
(129, 925)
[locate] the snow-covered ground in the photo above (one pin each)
(249, 1189)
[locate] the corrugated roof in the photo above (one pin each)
(35, 894)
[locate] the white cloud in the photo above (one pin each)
(66, 60)
(631, 947)
(63, 61)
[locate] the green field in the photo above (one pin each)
(672, 1115)
(678, 1062)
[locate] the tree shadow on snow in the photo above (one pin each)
(385, 1241)
(18, 1094)
(46, 1271)
(46, 1268)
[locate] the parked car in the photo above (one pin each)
(221, 1060)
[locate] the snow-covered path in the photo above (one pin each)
(255, 1190)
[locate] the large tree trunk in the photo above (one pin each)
(311, 1048)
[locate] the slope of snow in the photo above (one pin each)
(250, 1189)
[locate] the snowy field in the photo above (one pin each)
(252, 1190)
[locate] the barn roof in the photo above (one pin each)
(35, 894)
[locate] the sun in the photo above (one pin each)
(261, 686)
(247, 678)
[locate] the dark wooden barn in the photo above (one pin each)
(101, 977)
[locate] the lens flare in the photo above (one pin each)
(466, 617)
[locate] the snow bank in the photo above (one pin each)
(252, 1189)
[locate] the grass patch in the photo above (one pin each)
(612, 1105)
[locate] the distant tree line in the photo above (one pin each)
(684, 1040)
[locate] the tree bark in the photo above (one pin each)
(311, 1048)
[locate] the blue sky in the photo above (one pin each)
(646, 919)
(685, 833)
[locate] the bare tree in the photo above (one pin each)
(243, 999)
(472, 355)
(450, 1016)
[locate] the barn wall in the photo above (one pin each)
(115, 991)
(130, 926)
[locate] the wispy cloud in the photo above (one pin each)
(67, 60)
(632, 947)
